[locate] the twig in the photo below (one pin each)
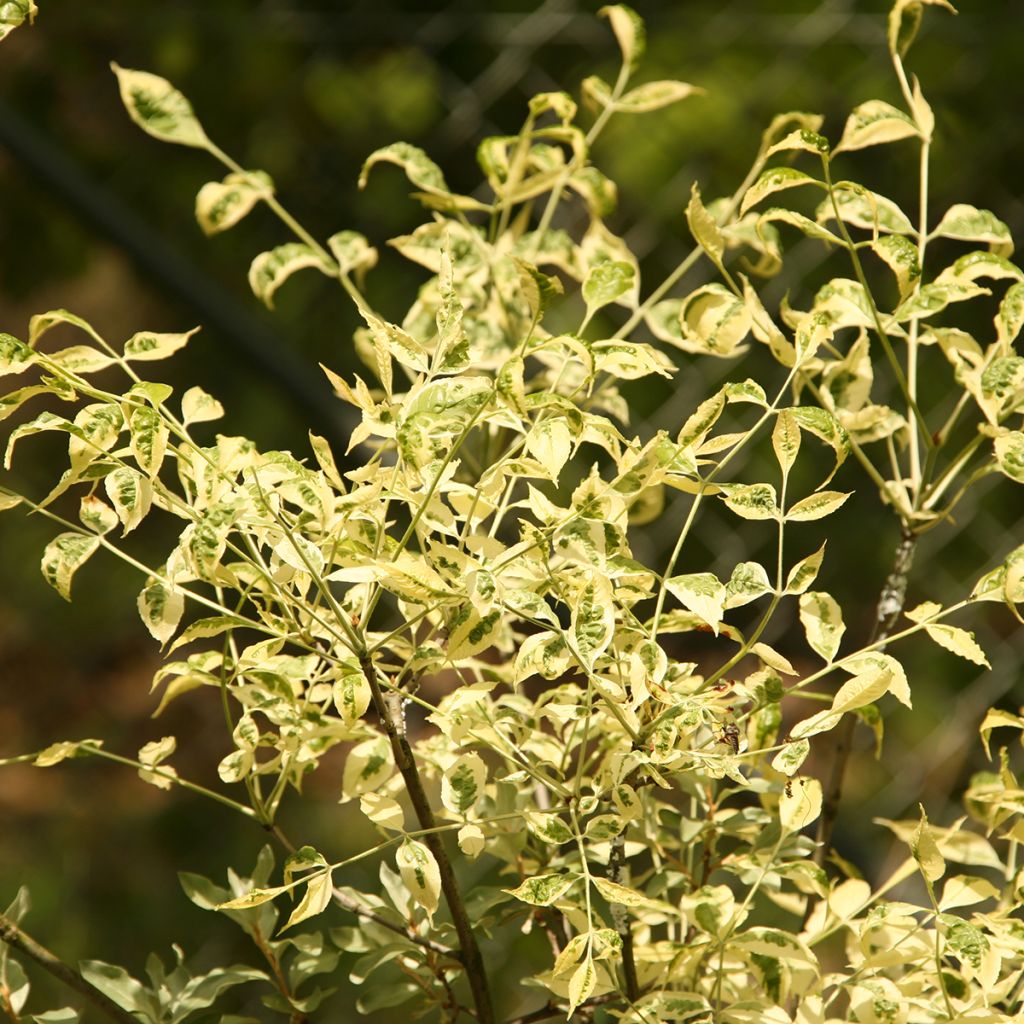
(473, 962)
(24, 943)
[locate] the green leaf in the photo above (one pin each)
(816, 506)
(158, 108)
(14, 13)
(800, 803)
(629, 31)
(822, 619)
(148, 346)
(543, 890)
(875, 123)
(418, 167)
(64, 556)
(119, 986)
(222, 204)
(420, 873)
(775, 179)
(271, 269)
(967, 223)
(701, 593)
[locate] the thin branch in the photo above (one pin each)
(24, 943)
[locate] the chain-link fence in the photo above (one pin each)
(95, 214)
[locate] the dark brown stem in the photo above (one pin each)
(405, 762)
(19, 940)
(621, 919)
(890, 605)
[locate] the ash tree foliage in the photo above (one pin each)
(645, 819)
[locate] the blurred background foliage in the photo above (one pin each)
(96, 217)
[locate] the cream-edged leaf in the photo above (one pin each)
(12, 14)
(315, 900)
(822, 619)
(800, 803)
(270, 270)
(701, 593)
(199, 407)
(959, 642)
(655, 95)
(158, 108)
(543, 890)
(64, 556)
(222, 204)
(775, 179)
(146, 345)
(161, 608)
(462, 783)
(816, 506)
(874, 123)
(753, 501)
(967, 223)
(420, 873)
(629, 31)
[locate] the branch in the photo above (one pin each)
(406, 763)
(890, 605)
(19, 940)
(621, 919)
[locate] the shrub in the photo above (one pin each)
(550, 737)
